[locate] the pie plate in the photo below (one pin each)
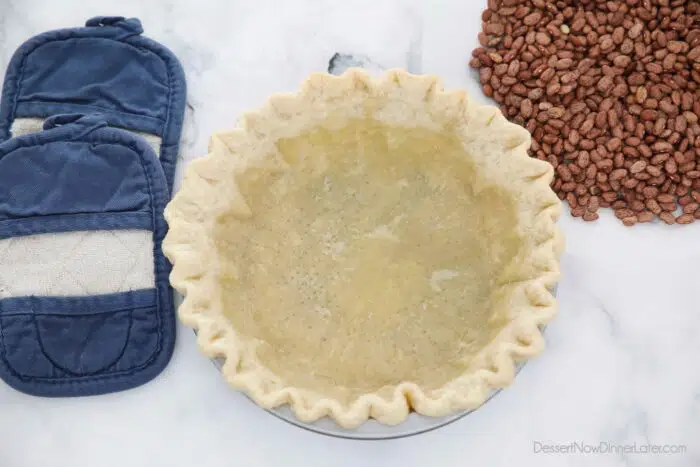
(372, 430)
(415, 424)
(328, 220)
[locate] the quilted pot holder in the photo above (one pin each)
(85, 305)
(106, 67)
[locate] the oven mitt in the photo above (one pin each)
(107, 68)
(85, 304)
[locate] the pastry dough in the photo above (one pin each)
(366, 248)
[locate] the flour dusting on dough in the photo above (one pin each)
(322, 311)
(383, 233)
(439, 276)
(327, 184)
(331, 245)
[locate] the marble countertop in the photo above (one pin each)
(621, 364)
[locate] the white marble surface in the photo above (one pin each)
(621, 364)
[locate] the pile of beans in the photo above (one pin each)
(610, 91)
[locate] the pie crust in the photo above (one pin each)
(367, 247)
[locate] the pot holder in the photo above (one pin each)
(85, 304)
(106, 67)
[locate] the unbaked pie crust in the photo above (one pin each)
(367, 247)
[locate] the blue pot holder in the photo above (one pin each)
(106, 67)
(86, 307)
(92, 119)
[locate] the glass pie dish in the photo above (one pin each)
(367, 248)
